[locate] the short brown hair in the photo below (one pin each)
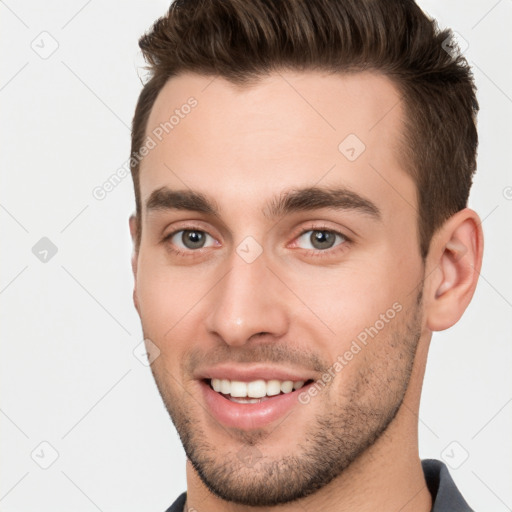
(243, 40)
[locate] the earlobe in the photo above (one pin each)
(455, 260)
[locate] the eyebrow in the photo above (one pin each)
(289, 201)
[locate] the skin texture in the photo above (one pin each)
(297, 306)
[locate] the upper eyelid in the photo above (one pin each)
(300, 233)
(321, 228)
(200, 225)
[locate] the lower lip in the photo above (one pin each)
(249, 416)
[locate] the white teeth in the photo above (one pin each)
(273, 387)
(287, 386)
(246, 400)
(238, 389)
(225, 386)
(255, 389)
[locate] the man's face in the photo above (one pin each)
(268, 297)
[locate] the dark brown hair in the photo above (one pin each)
(242, 40)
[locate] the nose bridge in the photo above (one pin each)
(246, 301)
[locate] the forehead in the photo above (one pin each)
(288, 129)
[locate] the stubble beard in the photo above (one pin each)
(332, 441)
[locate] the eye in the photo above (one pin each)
(321, 239)
(189, 239)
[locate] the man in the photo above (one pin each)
(301, 174)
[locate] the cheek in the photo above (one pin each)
(164, 301)
(163, 291)
(349, 300)
(157, 299)
(161, 309)
(370, 366)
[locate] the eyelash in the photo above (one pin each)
(316, 253)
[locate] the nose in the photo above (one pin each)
(246, 302)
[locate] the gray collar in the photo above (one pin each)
(445, 495)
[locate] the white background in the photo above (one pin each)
(68, 374)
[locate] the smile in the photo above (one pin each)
(253, 404)
(254, 391)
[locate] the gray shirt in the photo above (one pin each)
(445, 495)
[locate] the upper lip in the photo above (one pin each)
(248, 373)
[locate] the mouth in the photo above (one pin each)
(255, 391)
(251, 404)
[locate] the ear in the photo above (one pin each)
(133, 221)
(454, 263)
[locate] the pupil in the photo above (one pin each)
(192, 239)
(322, 239)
